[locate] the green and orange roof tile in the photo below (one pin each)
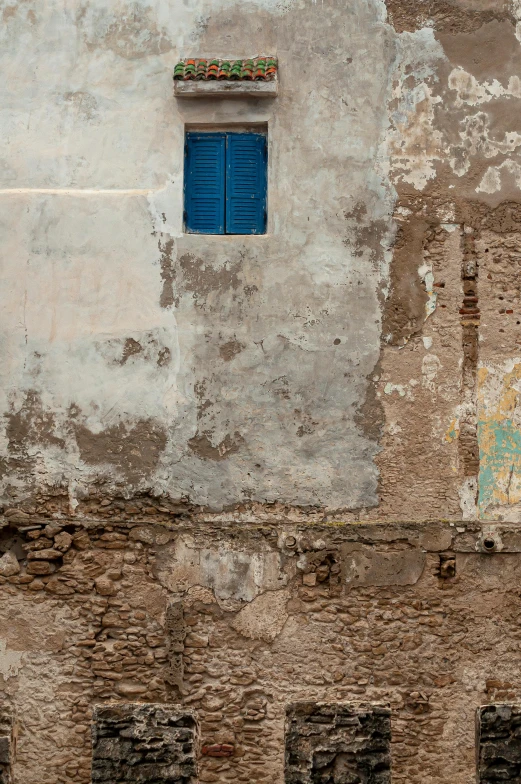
(255, 69)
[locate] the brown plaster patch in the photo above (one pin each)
(83, 103)
(146, 347)
(488, 52)
(133, 450)
(166, 248)
(32, 424)
(8, 12)
(130, 347)
(448, 16)
(202, 446)
(367, 234)
(230, 349)
(506, 217)
(164, 356)
(370, 415)
(201, 278)
(404, 312)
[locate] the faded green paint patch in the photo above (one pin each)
(499, 436)
(500, 464)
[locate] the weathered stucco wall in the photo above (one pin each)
(320, 366)
(218, 369)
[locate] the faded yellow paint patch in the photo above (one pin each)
(453, 431)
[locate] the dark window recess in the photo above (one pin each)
(225, 183)
(330, 743)
(499, 744)
(7, 744)
(149, 744)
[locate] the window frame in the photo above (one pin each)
(255, 132)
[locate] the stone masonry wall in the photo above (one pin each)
(235, 626)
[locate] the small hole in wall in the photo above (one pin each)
(337, 341)
(486, 250)
(447, 566)
(489, 544)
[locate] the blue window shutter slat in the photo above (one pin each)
(246, 183)
(205, 182)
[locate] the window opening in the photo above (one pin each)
(225, 183)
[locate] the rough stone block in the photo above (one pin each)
(143, 744)
(499, 744)
(176, 631)
(338, 744)
(394, 567)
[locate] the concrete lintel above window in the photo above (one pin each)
(222, 87)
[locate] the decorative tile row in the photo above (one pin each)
(257, 69)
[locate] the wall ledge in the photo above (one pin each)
(225, 87)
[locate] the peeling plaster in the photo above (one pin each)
(492, 179)
(415, 143)
(471, 92)
(230, 574)
(10, 661)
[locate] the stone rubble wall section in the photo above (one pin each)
(338, 742)
(143, 744)
(499, 743)
(368, 614)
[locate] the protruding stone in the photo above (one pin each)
(130, 689)
(49, 554)
(143, 534)
(9, 565)
(52, 529)
(105, 586)
(81, 540)
(218, 750)
(63, 541)
(40, 567)
(55, 585)
(111, 619)
(195, 640)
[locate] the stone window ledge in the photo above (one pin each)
(225, 87)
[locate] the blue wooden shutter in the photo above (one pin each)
(246, 164)
(204, 182)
